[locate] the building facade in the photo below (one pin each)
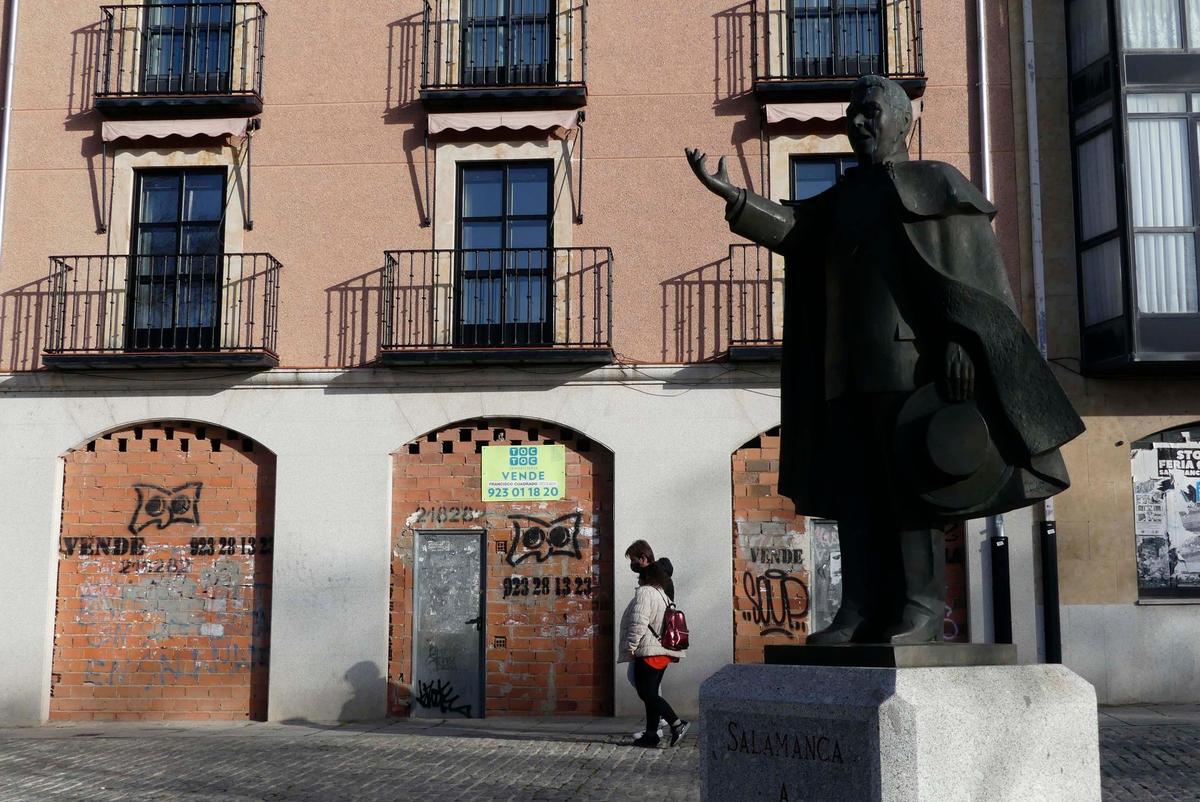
(276, 279)
(1113, 85)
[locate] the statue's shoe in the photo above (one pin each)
(843, 629)
(915, 627)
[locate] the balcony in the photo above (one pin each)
(816, 49)
(753, 279)
(490, 53)
(181, 59)
(496, 306)
(203, 310)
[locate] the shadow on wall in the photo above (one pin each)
(86, 77)
(86, 66)
(405, 53)
(24, 321)
(695, 313)
(353, 320)
(403, 93)
(369, 688)
(733, 84)
(733, 36)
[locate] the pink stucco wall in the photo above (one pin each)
(339, 162)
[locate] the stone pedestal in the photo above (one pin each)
(814, 733)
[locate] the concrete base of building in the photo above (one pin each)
(823, 733)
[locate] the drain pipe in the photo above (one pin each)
(1051, 623)
(9, 69)
(985, 134)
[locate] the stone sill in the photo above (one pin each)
(1166, 602)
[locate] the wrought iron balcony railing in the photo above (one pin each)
(162, 308)
(754, 288)
(504, 44)
(546, 303)
(164, 53)
(823, 40)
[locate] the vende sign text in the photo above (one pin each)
(522, 473)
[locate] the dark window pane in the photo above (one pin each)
(157, 240)
(203, 196)
(196, 302)
(811, 178)
(528, 234)
(483, 193)
(482, 235)
(160, 199)
(530, 8)
(485, 47)
(201, 239)
(152, 308)
(530, 45)
(480, 301)
(529, 189)
(526, 298)
(154, 266)
(489, 9)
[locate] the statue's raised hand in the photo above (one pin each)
(717, 183)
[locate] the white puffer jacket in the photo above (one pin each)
(645, 611)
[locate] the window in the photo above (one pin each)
(812, 176)
(835, 37)
(504, 241)
(188, 48)
(1161, 24)
(1166, 507)
(508, 42)
(1162, 143)
(176, 260)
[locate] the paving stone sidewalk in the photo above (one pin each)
(1147, 753)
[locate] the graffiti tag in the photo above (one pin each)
(440, 694)
(779, 601)
(162, 507)
(533, 537)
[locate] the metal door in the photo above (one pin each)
(448, 619)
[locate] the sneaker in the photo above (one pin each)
(679, 730)
(646, 741)
(659, 732)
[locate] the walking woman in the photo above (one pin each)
(640, 628)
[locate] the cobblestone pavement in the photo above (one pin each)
(1147, 753)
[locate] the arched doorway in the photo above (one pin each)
(164, 576)
(787, 568)
(537, 573)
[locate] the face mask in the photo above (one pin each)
(636, 569)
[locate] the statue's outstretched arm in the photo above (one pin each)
(749, 214)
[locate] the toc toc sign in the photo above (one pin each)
(521, 473)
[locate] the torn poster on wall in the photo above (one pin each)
(1166, 511)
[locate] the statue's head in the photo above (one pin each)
(878, 120)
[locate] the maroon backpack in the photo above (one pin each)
(674, 628)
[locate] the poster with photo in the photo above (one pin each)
(1166, 515)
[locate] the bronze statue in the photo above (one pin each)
(912, 396)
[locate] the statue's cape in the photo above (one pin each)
(959, 269)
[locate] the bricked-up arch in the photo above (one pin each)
(786, 575)
(164, 576)
(546, 653)
(772, 555)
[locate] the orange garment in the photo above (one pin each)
(658, 662)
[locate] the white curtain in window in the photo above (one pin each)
(1089, 32)
(1159, 173)
(1166, 272)
(1102, 299)
(1151, 24)
(1193, 24)
(1097, 189)
(1157, 102)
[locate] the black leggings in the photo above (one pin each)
(647, 680)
